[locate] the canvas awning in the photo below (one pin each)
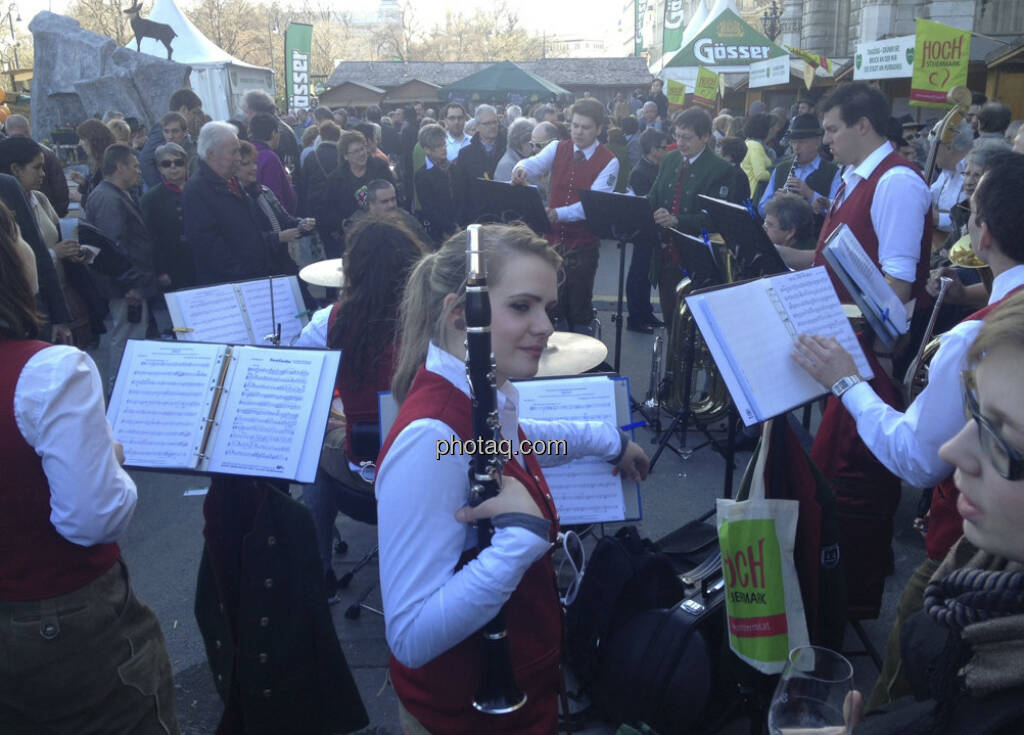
(500, 82)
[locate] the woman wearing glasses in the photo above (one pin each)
(162, 210)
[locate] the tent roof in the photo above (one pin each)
(503, 77)
(190, 46)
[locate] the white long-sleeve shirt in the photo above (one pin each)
(428, 608)
(541, 163)
(898, 210)
(58, 408)
(946, 192)
(314, 334)
(908, 443)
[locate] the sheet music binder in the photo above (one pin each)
(878, 302)
(208, 313)
(197, 407)
(744, 235)
(631, 501)
(505, 203)
(750, 328)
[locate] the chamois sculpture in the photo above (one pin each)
(145, 28)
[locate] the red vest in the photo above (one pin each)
(945, 525)
(567, 178)
(855, 213)
(36, 562)
(359, 391)
(440, 693)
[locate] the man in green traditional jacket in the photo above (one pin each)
(690, 170)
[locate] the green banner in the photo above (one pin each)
(673, 35)
(941, 56)
(298, 40)
(638, 27)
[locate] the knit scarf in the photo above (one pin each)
(980, 598)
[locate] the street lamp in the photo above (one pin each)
(771, 22)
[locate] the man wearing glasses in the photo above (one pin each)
(908, 443)
(691, 169)
(455, 124)
(477, 161)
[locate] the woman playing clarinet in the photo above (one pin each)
(439, 588)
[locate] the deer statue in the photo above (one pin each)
(145, 28)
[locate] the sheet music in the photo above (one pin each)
(265, 418)
(869, 278)
(161, 400)
(287, 305)
(585, 491)
(813, 308)
(212, 314)
(752, 343)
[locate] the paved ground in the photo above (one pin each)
(163, 546)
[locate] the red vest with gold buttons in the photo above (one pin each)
(567, 178)
(36, 562)
(439, 695)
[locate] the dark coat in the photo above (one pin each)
(642, 177)
(147, 157)
(437, 203)
(312, 180)
(116, 214)
(55, 186)
(474, 162)
(225, 231)
(261, 609)
(288, 146)
(51, 296)
(163, 212)
(344, 191)
(389, 140)
(709, 175)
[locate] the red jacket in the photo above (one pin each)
(439, 695)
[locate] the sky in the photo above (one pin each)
(581, 18)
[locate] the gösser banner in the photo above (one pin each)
(941, 55)
(297, 42)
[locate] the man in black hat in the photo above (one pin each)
(912, 135)
(805, 172)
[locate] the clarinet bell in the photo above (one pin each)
(498, 693)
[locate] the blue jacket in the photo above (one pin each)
(225, 231)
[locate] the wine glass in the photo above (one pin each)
(810, 695)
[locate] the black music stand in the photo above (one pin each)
(745, 237)
(624, 218)
(502, 202)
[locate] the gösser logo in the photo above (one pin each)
(706, 50)
(300, 79)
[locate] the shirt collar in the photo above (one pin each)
(693, 160)
(588, 151)
(1006, 282)
(452, 369)
(869, 164)
(811, 166)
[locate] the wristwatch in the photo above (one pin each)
(844, 384)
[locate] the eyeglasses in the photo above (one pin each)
(539, 145)
(1006, 460)
(177, 163)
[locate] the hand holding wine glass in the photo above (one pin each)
(815, 695)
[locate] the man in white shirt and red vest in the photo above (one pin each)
(886, 203)
(908, 443)
(580, 163)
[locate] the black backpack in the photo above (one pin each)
(625, 575)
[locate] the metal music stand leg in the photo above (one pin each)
(618, 306)
(681, 419)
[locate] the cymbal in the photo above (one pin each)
(323, 273)
(569, 353)
(963, 255)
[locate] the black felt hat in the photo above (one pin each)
(805, 126)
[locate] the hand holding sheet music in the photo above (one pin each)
(750, 330)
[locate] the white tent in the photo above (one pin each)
(217, 77)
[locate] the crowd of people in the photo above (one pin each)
(194, 202)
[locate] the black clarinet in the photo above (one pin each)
(497, 693)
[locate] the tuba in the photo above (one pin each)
(709, 399)
(916, 377)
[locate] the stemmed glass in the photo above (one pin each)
(810, 695)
